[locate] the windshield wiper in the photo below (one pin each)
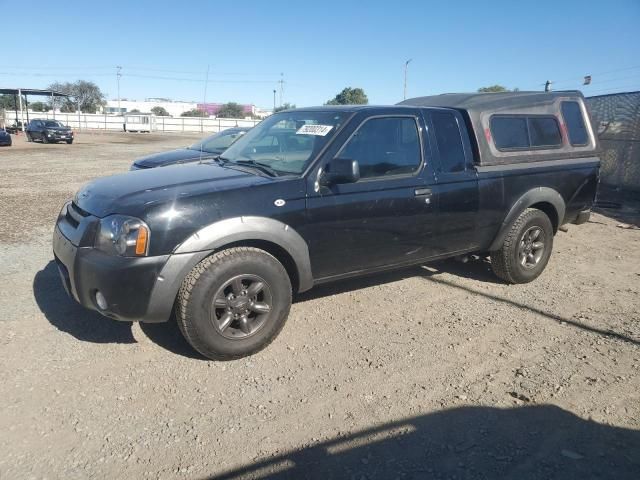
(259, 165)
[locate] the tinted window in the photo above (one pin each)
(385, 146)
(575, 123)
(449, 141)
(218, 142)
(544, 132)
(510, 132)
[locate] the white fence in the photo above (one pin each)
(86, 121)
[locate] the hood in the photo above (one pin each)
(58, 129)
(135, 193)
(180, 155)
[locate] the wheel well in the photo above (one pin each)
(277, 251)
(550, 211)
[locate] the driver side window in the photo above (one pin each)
(384, 147)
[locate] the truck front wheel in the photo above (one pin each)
(234, 303)
(526, 248)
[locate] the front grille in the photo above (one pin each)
(75, 214)
(80, 211)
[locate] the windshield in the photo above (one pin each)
(52, 123)
(219, 142)
(286, 142)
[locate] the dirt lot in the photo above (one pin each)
(432, 372)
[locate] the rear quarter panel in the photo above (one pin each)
(500, 187)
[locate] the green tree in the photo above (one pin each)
(135, 110)
(8, 102)
(350, 96)
(39, 107)
(285, 106)
(194, 113)
(160, 111)
(496, 88)
(83, 94)
(231, 110)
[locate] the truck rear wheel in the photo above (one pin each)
(526, 248)
(234, 303)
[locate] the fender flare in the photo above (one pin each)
(233, 230)
(533, 196)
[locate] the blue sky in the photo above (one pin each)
(321, 46)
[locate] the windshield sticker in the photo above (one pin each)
(320, 130)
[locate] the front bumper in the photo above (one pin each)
(135, 288)
(59, 137)
(126, 283)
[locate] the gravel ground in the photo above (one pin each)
(432, 372)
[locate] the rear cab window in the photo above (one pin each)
(449, 141)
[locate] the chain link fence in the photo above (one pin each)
(617, 119)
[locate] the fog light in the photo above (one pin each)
(101, 301)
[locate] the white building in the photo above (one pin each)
(175, 109)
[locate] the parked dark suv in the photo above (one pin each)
(5, 138)
(48, 131)
(314, 195)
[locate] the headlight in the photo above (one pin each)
(124, 236)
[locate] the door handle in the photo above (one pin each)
(422, 192)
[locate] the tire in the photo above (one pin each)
(44, 138)
(69, 142)
(235, 329)
(526, 249)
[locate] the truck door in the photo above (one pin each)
(457, 182)
(384, 218)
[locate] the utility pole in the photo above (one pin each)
(118, 75)
(281, 82)
(274, 100)
(206, 82)
(406, 66)
(204, 99)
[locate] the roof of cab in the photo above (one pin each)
(488, 101)
(344, 108)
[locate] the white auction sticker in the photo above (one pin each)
(320, 130)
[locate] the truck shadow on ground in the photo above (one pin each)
(542, 441)
(619, 205)
(478, 269)
(68, 316)
(86, 325)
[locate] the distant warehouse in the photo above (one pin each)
(617, 118)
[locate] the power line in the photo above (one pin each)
(597, 74)
(617, 89)
(85, 69)
(136, 75)
(197, 80)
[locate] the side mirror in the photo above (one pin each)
(341, 170)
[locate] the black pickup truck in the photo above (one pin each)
(315, 195)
